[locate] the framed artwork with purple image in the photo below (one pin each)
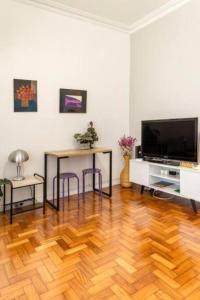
(73, 101)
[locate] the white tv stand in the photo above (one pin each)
(185, 184)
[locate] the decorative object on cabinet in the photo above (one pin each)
(87, 139)
(18, 156)
(126, 144)
(73, 101)
(25, 95)
(186, 164)
(138, 151)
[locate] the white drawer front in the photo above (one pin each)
(190, 184)
(139, 172)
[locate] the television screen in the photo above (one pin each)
(170, 139)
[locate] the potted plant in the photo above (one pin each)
(126, 144)
(87, 139)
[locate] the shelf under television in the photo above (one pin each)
(169, 189)
(167, 178)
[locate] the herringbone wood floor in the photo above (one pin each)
(134, 247)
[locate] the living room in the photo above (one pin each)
(73, 69)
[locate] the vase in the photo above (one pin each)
(124, 176)
(84, 146)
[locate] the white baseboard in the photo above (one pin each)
(88, 188)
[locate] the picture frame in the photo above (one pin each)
(73, 101)
(25, 95)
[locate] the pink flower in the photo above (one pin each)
(126, 144)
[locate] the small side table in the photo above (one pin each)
(29, 181)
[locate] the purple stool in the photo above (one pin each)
(93, 172)
(62, 177)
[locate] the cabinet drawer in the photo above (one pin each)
(190, 184)
(139, 172)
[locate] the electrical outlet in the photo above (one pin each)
(19, 204)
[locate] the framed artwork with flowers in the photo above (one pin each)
(25, 95)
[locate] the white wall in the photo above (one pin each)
(165, 69)
(61, 52)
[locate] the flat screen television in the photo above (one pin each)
(175, 139)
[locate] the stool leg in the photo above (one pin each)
(68, 189)
(100, 185)
(63, 193)
(78, 190)
(54, 189)
(83, 185)
(63, 186)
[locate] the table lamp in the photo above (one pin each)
(18, 157)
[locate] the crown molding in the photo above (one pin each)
(157, 14)
(69, 11)
(54, 6)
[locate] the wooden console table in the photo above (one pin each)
(63, 154)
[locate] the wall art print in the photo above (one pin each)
(73, 101)
(25, 95)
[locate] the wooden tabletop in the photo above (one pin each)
(77, 152)
(28, 180)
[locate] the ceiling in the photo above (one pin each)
(125, 15)
(126, 12)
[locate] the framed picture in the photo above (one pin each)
(73, 101)
(25, 95)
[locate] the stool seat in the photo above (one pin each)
(67, 175)
(92, 171)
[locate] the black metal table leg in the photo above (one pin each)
(94, 166)
(152, 192)
(57, 207)
(110, 175)
(58, 184)
(109, 194)
(11, 205)
(45, 175)
(45, 180)
(44, 201)
(4, 199)
(194, 205)
(34, 194)
(142, 190)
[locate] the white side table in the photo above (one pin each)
(29, 181)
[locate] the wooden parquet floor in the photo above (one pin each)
(135, 247)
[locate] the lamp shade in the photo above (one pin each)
(18, 156)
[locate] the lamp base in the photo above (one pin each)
(18, 178)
